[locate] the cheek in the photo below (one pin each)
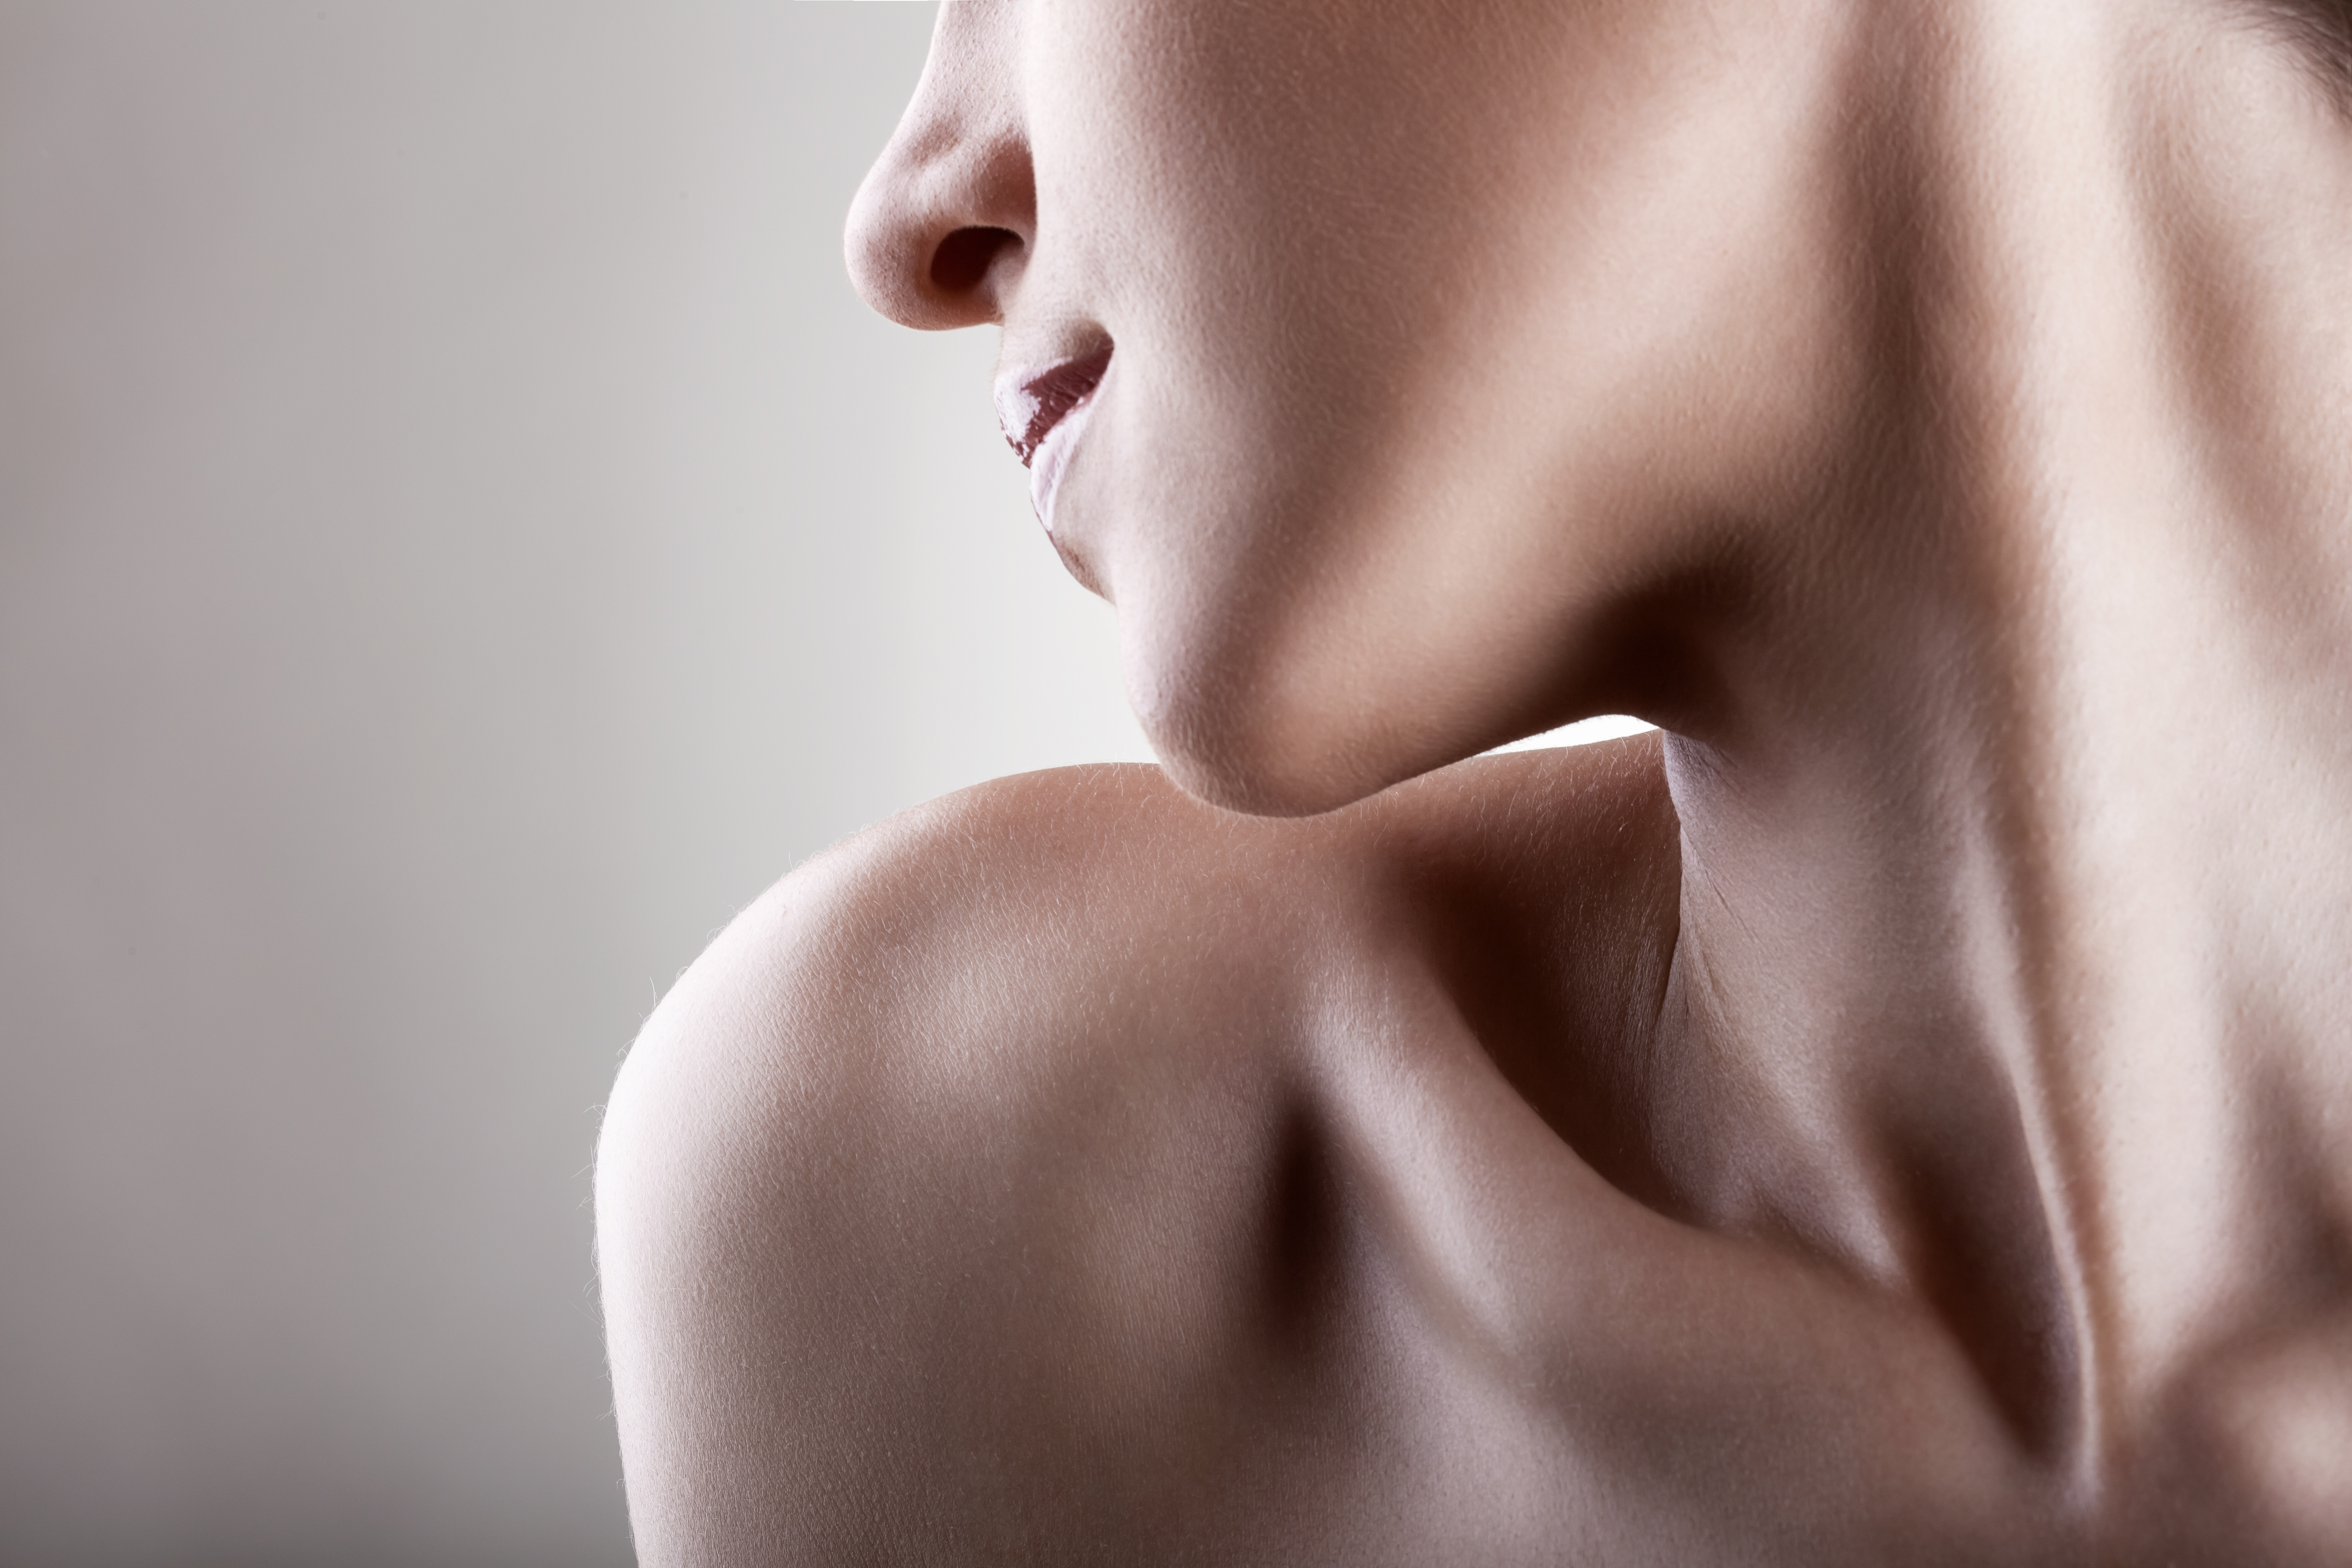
(1256, 179)
(1268, 340)
(1242, 219)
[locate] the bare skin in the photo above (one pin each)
(1903, 1113)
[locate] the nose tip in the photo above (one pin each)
(940, 227)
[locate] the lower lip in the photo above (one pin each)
(1052, 459)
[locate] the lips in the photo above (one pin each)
(1043, 415)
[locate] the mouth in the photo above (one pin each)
(1043, 415)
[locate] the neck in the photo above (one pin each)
(2017, 795)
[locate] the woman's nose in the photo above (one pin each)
(946, 216)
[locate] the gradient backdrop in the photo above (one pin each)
(461, 538)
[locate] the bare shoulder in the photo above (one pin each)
(982, 950)
(1010, 941)
(982, 1184)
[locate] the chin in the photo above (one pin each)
(1269, 687)
(1237, 785)
(1264, 758)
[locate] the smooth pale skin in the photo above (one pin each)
(1901, 1114)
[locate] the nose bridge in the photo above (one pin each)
(955, 182)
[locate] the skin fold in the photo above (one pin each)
(1899, 1112)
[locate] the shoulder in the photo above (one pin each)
(972, 932)
(1019, 927)
(938, 1171)
(862, 1159)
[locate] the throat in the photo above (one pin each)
(2009, 977)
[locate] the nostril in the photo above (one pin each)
(962, 259)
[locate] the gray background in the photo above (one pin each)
(461, 538)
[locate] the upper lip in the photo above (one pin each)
(1029, 404)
